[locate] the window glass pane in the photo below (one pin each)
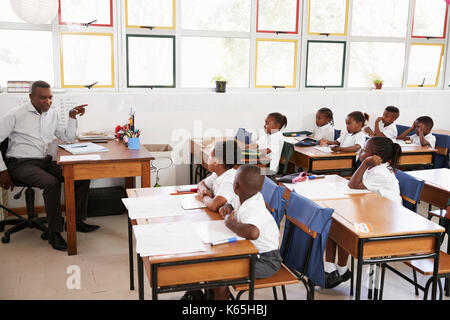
(84, 11)
(87, 58)
(203, 58)
(220, 15)
(429, 18)
(325, 64)
(275, 63)
(382, 18)
(18, 62)
(150, 61)
(275, 15)
(152, 13)
(328, 16)
(385, 59)
(424, 63)
(7, 14)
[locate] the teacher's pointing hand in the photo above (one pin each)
(79, 110)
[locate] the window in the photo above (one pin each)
(19, 59)
(276, 63)
(87, 58)
(95, 12)
(385, 59)
(205, 57)
(159, 14)
(380, 18)
(328, 17)
(430, 19)
(425, 62)
(216, 15)
(277, 16)
(150, 61)
(325, 64)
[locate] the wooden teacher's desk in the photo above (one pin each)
(117, 162)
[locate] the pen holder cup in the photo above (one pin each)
(134, 143)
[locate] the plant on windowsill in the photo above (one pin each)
(377, 81)
(221, 83)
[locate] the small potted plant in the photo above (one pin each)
(221, 83)
(377, 81)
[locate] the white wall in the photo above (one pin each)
(160, 115)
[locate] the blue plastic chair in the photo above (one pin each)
(401, 129)
(410, 189)
(303, 249)
(441, 160)
(273, 197)
(337, 134)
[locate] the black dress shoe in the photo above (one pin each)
(57, 241)
(332, 279)
(347, 275)
(84, 227)
(193, 295)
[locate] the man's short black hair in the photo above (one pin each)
(392, 109)
(38, 84)
(427, 121)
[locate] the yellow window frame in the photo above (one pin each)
(62, 61)
(295, 61)
(439, 66)
(155, 27)
(331, 34)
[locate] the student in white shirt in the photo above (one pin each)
(423, 135)
(385, 126)
(324, 125)
(30, 128)
(217, 189)
(379, 160)
(250, 219)
(354, 139)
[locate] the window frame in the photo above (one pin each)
(429, 37)
(174, 15)
(277, 31)
(111, 17)
(325, 33)
(438, 75)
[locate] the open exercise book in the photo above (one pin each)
(80, 148)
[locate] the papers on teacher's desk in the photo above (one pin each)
(212, 231)
(167, 238)
(80, 148)
(153, 207)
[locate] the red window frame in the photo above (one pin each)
(276, 31)
(426, 37)
(81, 23)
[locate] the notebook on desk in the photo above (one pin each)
(80, 148)
(188, 202)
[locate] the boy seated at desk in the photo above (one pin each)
(215, 190)
(385, 126)
(248, 217)
(423, 135)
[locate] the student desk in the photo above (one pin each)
(436, 190)
(416, 155)
(200, 149)
(398, 233)
(117, 162)
(317, 161)
(224, 264)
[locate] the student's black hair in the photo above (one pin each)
(387, 150)
(228, 153)
(358, 116)
(38, 84)
(279, 118)
(251, 177)
(327, 113)
(392, 109)
(427, 121)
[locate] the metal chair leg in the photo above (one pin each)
(370, 283)
(383, 272)
(240, 293)
(275, 295)
(415, 280)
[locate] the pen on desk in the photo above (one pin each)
(181, 193)
(316, 177)
(229, 240)
(79, 146)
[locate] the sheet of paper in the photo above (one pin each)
(153, 207)
(317, 190)
(167, 238)
(323, 149)
(80, 158)
(211, 231)
(402, 143)
(189, 202)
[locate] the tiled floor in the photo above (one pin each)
(31, 269)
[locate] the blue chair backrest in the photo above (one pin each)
(411, 188)
(337, 134)
(441, 160)
(296, 242)
(273, 197)
(401, 129)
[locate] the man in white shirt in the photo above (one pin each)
(30, 128)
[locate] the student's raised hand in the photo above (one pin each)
(225, 210)
(79, 110)
(373, 161)
(419, 130)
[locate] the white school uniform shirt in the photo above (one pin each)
(253, 211)
(429, 137)
(324, 132)
(274, 142)
(30, 132)
(350, 139)
(382, 180)
(222, 185)
(389, 131)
